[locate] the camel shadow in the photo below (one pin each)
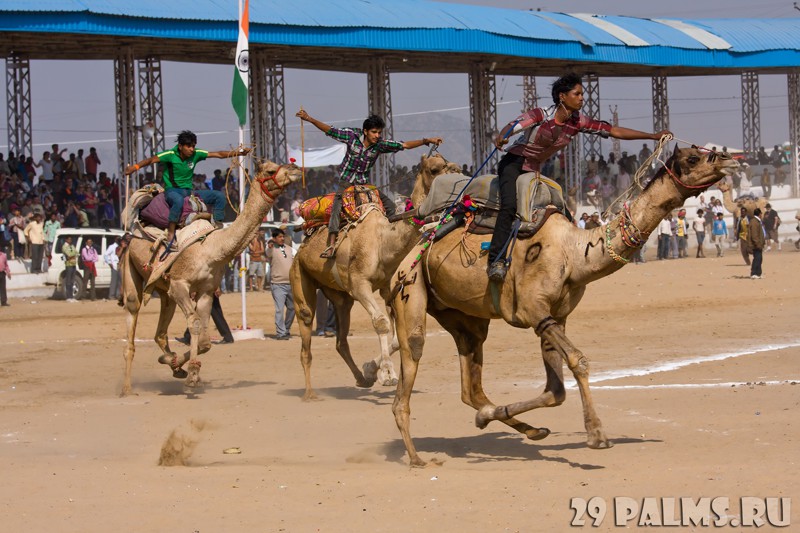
(177, 388)
(372, 395)
(498, 447)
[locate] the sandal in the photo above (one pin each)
(328, 253)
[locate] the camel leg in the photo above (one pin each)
(470, 334)
(168, 357)
(410, 316)
(343, 305)
(552, 333)
(381, 367)
(552, 396)
(305, 302)
(132, 300)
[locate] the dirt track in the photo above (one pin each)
(79, 458)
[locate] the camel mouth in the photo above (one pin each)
(729, 166)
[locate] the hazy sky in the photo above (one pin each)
(73, 101)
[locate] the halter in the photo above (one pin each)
(263, 183)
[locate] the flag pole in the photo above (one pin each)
(303, 151)
(242, 271)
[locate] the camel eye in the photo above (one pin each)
(693, 159)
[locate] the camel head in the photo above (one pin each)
(432, 166)
(273, 178)
(694, 170)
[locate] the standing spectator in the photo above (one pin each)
(583, 220)
(80, 165)
(741, 234)
(607, 190)
(326, 316)
(755, 240)
(16, 225)
(673, 240)
(280, 259)
(682, 234)
(745, 179)
(644, 153)
(218, 181)
(256, 270)
(5, 170)
(766, 183)
(57, 157)
(664, 233)
(112, 260)
(90, 163)
(50, 229)
(719, 233)
(88, 262)
(5, 272)
(47, 168)
(623, 179)
(771, 224)
(70, 262)
(34, 233)
(699, 228)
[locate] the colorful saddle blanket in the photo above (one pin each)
(355, 199)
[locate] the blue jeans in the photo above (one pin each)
(213, 199)
(282, 295)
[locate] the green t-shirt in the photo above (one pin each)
(177, 172)
(71, 253)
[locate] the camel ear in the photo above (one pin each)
(675, 151)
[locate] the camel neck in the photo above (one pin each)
(230, 241)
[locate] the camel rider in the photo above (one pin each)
(179, 164)
(546, 132)
(363, 148)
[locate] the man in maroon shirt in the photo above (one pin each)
(546, 132)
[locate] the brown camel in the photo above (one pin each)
(194, 276)
(735, 207)
(546, 280)
(366, 258)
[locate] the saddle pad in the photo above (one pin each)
(157, 211)
(533, 190)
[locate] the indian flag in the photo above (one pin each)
(241, 74)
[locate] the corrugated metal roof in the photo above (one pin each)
(423, 25)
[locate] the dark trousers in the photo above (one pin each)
(663, 246)
(508, 171)
(89, 279)
(755, 266)
(69, 280)
(326, 315)
(336, 210)
(37, 254)
(3, 295)
(219, 322)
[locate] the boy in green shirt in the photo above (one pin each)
(179, 164)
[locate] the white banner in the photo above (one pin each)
(319, 157)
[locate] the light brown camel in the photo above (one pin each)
(546, 280)
(735, 207)
(366, 258)
(194, 276)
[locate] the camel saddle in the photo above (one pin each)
(148, 206)
(534, 193)
(356, 201)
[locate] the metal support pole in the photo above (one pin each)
(751, 117)
(530, 99)
(379, 93)
(483, 116)
(18, 105)
(125, 93)
(267, 109)
(591, 107)
(793, 79)
(151, 108)
(660, 105)
(573, 157)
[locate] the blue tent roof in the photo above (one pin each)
(426, 26)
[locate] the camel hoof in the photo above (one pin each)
(416, 462)
(310, 396)
(179, 373)
(370, 370)
(193, 380)
(537, 433)
(364, 383)
(389, 382)
(484, 416)
(597, 440)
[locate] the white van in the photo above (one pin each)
(101, 239)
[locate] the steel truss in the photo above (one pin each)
(125, 94)
(151, 106)
(591, 107)
(751, 116)
(18, 105)
(793, 79)
(483, 116)
(660, 105)
(379, 93)
(267, 109)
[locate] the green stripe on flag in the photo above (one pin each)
(239, 97)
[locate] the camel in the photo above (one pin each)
(194, 276)
(545, 282)
(366, 258)
(735, 207)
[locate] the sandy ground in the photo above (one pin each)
(694, 371)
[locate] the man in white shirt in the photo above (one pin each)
(112, 260)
